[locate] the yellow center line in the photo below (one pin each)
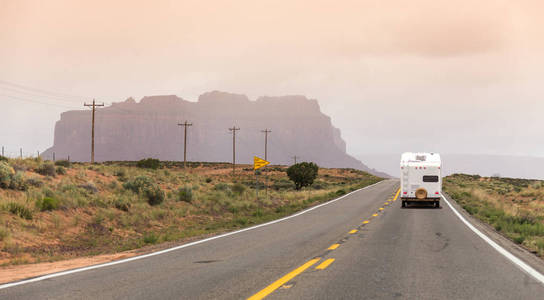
(375, 215)
(333, 246)
(365, 222)
(396, 195)
(381, 208)
(324, 264)
(274, 286)
(353, 231)
(386, 203)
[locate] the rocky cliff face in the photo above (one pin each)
(132, 131)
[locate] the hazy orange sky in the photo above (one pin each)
(446, 76)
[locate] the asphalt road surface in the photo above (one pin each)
(358, 247)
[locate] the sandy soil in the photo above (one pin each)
(19, 272)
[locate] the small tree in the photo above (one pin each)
(302, 174)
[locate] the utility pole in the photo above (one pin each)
(266, 132)
(2, 150)
(295, 158)
(233, 130)
(21, 152)
(185, 125)
(94, 105)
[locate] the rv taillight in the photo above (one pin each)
(405, 193)
(436, 193)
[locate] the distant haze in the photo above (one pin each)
(484, 165)
(424, 75)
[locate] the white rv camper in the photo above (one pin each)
(420, 178)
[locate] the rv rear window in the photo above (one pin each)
(429, 178)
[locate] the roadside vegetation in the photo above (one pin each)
(514, 207)
(52, 211)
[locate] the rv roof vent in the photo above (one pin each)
(421, 157)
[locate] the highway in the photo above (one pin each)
(362, 246)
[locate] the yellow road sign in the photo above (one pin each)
(259, 163)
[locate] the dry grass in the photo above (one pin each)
(514, 207)
(91, 212)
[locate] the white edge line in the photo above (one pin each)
(53, 275)
(525, 267)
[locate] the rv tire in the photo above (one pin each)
(403, 203)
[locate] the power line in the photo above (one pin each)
(37, 90)
(41, 96)
(35, 101)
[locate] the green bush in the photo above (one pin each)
(3, 158)
(46, 169)
(138, 184)
(302, 174)
(6, 172)
(47, 203)
(149, 163)
(122, 204)
(20, 210)
(145, 186)
(61, 170)
(35, 182)
(185, 195)
(221, 186)
(18, 182)
(63, 163)
(150, 238)
(238, 188)
(208, 180)
(154, 195)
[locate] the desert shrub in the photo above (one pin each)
(46, 169)
(208, 180)
(238, 188)
(47, 203)
(150, 238)
(221, 186)
(3, 158)
(20, 210)
(18, 182)
(89, 186)
(35, 182)
(138, 184)
(145, 186)
(283, 184)
(340, 192)
(61, 170)
(302, 174)
(120, 172)
(149, 163)
(185, 195)
(154, 195)
(6, 172)
(122, 204)
(63, 163)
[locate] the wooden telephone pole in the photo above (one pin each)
(266, 132)
(233, 130)
(185, 125)
(295, 158)
(93, 105)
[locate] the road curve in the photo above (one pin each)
(326, 253)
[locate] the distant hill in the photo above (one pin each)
(485, 165)
(133, 130)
